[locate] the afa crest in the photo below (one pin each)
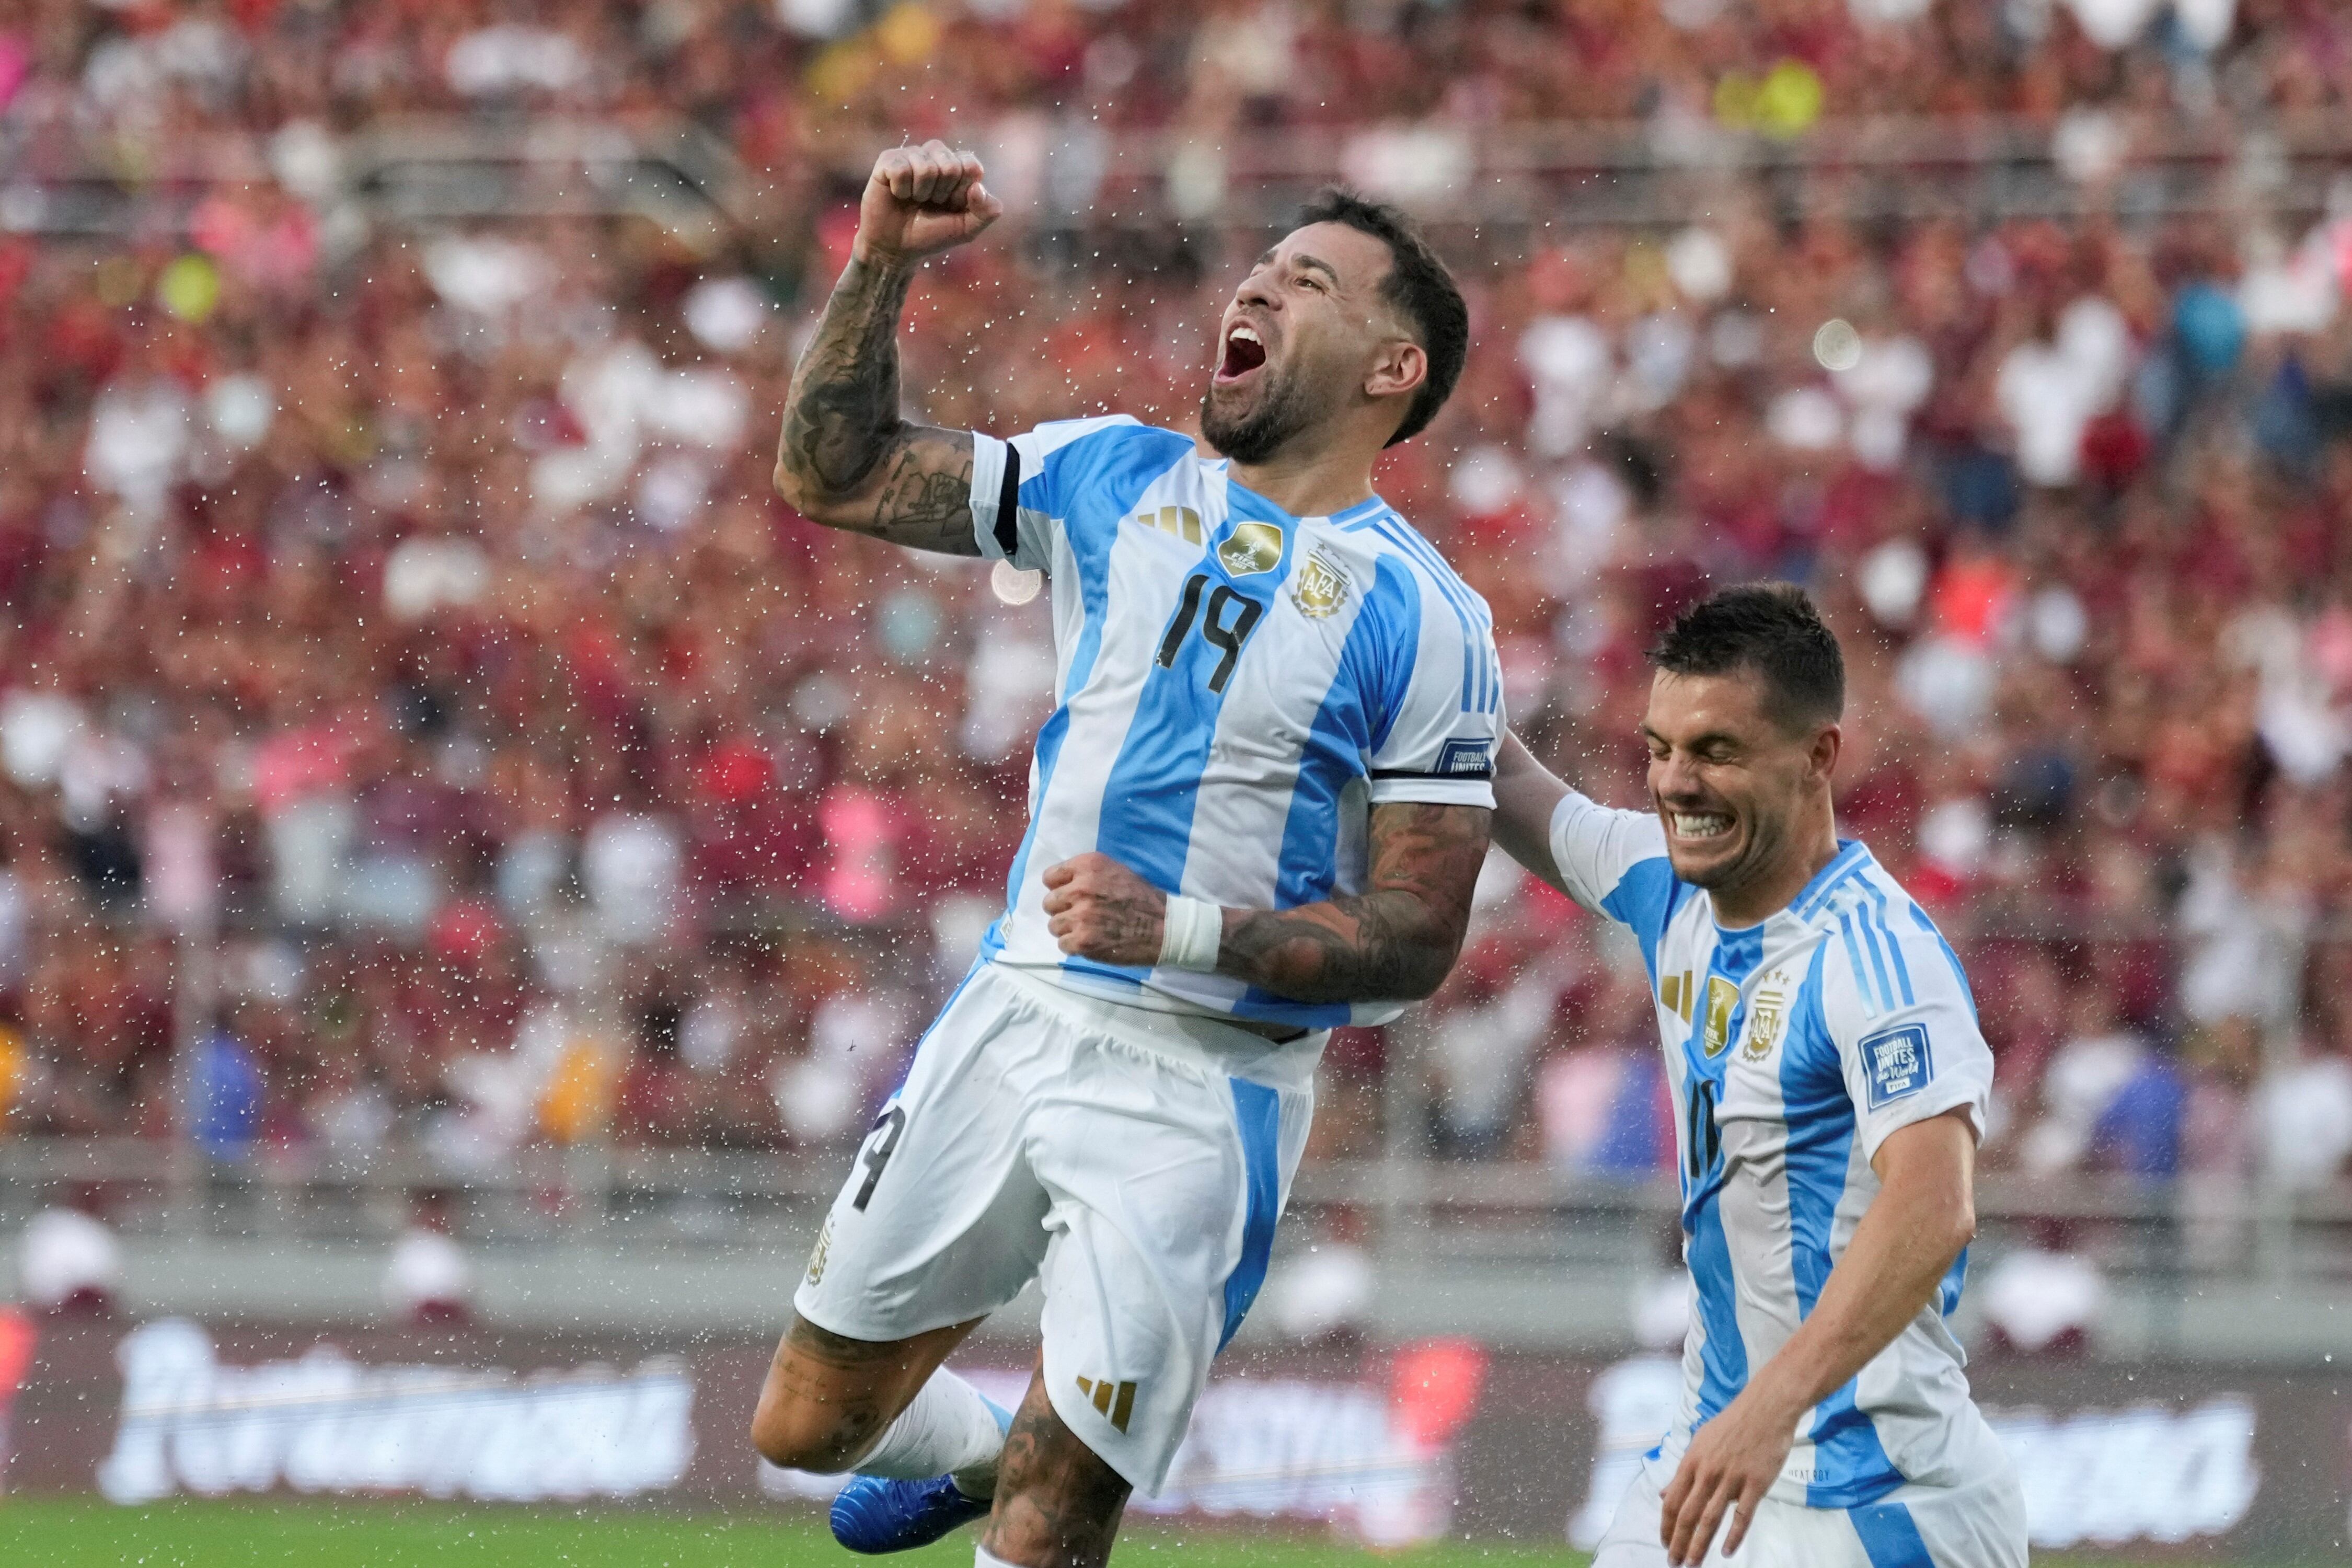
(1254, 547)
(1320, 587)
(1766, 1016)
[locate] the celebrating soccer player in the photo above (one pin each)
(1831, 1083)
(1255, 812)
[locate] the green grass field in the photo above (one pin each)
(399, 1535)
(53, 1534)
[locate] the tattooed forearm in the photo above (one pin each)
(844, 405)
(1393, 942)
(846, 457)
(1363, 949)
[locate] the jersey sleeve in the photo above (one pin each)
(1899, 1011)
(1442, 713)
(1598, 848)
(1020, 488)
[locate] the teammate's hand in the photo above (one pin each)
(920, 201)
(1097, 908)
(1731, 1463)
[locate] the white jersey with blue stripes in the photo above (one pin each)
(1236, 687)
(1794, 1048)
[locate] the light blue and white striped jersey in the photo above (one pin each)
(1236, 687)
(1794, 1048)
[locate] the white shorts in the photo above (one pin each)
(1133, 1160)
(1979, 1525)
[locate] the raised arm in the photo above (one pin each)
(846, 458)
(1391, 942)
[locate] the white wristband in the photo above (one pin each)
(1192, 930)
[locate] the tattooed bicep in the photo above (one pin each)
(924, 498)
(1429, 849)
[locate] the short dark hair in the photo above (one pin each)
(1771, 629)
(1418, 285)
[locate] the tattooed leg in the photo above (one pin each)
(827, 1397)
(1057, 1504)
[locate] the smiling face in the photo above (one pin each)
(1742, 793)
(1306, 337)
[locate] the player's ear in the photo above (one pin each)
(1398, 370)
(1829, 741)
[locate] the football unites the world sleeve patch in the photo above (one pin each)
(1899, 1063)
(1470, 758)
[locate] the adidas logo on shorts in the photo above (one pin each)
(1115, 1400)
(816, 1257)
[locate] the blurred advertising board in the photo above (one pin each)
(1389, 1446)
(1370, 1454)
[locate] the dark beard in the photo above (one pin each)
(1281, 415)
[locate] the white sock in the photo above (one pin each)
(948, 1429)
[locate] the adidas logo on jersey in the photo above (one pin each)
(1676, 993)
(1115, 1400)
(1177, 522)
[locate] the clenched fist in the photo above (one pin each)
(1097, 908)
(920, 201)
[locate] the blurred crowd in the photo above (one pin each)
(421, 728)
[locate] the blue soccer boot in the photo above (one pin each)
(873, 1515)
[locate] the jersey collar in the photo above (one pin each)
(1811, 898)
(1361, 510)
(1853, 856)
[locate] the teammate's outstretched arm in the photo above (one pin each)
(846, 459)
(1527, 793)
(1391, 942)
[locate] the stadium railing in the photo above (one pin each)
(1507, 1211)
(428, 170)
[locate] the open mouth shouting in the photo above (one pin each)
(1244, 352)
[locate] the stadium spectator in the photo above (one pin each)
(407, 608)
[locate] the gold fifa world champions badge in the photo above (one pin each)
(1254, 547)
(1722, 1001)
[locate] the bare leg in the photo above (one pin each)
(1057, 1504)
(827, 1398)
